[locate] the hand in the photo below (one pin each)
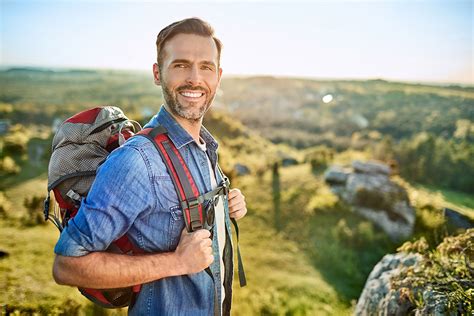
(237, 205)
(194, 251)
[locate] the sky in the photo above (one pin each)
(403, 40)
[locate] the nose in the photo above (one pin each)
(194, 77)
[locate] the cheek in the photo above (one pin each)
(212, 82)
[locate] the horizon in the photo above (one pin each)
(239, 76)
(423, 41)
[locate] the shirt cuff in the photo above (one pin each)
(67, 246)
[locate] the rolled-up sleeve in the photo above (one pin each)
(123, 189)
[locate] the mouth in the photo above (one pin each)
(191, 95)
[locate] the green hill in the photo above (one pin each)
(317, 260)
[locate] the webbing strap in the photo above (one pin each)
(240, 264)
(241, 271)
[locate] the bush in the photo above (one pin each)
(447, 270)
(8, 166)
(16, 143)
(34, 211)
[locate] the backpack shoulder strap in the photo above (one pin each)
(181, 177)
(188, 193)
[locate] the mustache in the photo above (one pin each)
(190, 87)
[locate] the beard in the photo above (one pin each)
(191, 112)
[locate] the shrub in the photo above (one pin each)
(447, 270)
(16, 143)
(34, 211)
(8, 166)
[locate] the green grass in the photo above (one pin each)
(454, 198)
(316, 265)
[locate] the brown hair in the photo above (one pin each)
(187, 26)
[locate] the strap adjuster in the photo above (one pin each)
(191, 203)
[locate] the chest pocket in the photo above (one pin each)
(176, 226)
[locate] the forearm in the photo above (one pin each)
(104, 270)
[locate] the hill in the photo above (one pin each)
(310, 258)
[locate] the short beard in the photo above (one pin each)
(178, 109)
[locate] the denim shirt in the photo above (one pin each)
(133, 194)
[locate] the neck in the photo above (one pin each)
(193, 127)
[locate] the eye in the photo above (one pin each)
(180, 66)
(207, 68)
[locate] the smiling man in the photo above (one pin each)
(134, 194)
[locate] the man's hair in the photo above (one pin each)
(187, 26)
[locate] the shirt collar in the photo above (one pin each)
(178, 135)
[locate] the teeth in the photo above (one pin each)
(192, 94)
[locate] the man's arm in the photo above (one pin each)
(104, 270)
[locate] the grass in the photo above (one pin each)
(452, 198)
(340, 245)
(316, 265)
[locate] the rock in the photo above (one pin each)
(371, 167)
(435, 303)
(373, 195)
(336, 175)
(432, 282)
(378, 298)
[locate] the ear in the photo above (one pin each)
(156, 74)
(220, 74)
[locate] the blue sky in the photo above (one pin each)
(395, 40)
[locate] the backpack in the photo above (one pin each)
(81, 144)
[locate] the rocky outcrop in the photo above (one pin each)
(378, 298)
(368, 189)
(420, 281)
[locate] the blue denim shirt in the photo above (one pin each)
(133, 194)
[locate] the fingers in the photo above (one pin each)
(206, 243)
(238, 214)
(237, 204)
(202, 234)
(233, 193)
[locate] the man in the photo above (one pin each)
(134, 194)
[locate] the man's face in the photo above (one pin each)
(189, 75)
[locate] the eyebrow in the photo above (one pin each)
(186, 61)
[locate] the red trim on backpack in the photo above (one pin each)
(60, 200)
(190, 178)
(125, 245)
(97, 295)
(85, 117)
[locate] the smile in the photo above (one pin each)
(189, 94)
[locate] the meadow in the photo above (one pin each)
(311, 259)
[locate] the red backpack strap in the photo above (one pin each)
(181, 177)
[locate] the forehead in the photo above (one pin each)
(191, 47)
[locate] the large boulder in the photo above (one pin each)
(378, 298)
(419, 281)
(371, 193)
(372, 167)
